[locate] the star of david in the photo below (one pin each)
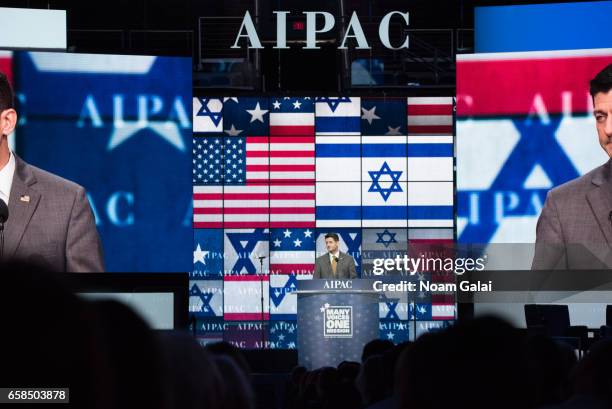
(204, 111)
(385, 170)
(536, 136)
(278, 296)
(392, 313)
(244, 244)
(195, 291)
(334, 102)
(390, 238)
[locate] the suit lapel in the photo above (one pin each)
(340, 257)
(600, 199)
(329, 266)
(23, 201)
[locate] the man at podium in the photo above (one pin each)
(334, 263)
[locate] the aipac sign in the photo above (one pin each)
(353, 31)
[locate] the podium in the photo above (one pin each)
(336, 318)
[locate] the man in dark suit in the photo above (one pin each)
(574, 230)
(49, 221)
(334, 263)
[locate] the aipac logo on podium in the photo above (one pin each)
(337, 321)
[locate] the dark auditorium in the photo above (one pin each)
(292, 204)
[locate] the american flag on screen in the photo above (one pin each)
(292, 184)
(266, 181)
(245, 192)
(292, 116)
(292, 251)
(430, 115)
(284, 171)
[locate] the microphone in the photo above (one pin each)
(261, 257)
(336, 259)
(4, 214)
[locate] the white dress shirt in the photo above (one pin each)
(6, 178)
(332, 255)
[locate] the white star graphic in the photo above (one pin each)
(297, 105)
(199, 255)
(233, 131)
(277, 243)
(307, 233)
(394, 131)
(276, 104)
(390, 335)
(287, 233)
(168, 130)
(257, 113)
(297, 243)
(369, 115)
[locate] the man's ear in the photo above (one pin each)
(8, 121)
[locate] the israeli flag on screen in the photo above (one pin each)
(338, 158)
(377, 150)
(430, 157)
(338, 116)
(338, 204)
(283, 303)
(207, 116)
(206, 298)
(382, 207)
(430, 204)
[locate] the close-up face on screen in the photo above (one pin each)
(306, 204)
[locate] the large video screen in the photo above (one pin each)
(120, 126)
(542, 27)
(272, 175)
(524, 125)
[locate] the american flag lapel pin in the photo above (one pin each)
(25, 198)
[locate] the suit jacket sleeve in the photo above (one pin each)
(352, 271)
(317, 272)
(83, 247)
(550, 246)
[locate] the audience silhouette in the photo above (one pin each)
(109, 358)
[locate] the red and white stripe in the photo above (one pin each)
(247, 205)
(443, 310)
(292, 123)
(430, 115)
(292, 181)
(551, 82)
(207, 207)
(299, 263)
(242, 297)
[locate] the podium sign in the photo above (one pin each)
(336, 318)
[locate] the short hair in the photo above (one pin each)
(333, 236)
(602, 81)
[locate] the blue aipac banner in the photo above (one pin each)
(121, 127)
